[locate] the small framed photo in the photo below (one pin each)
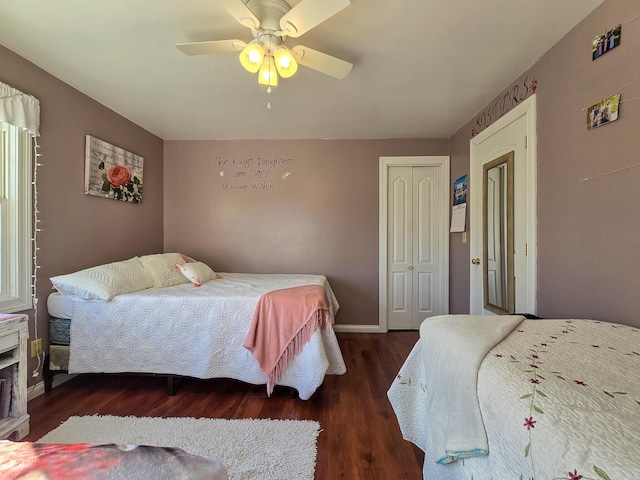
(603, 113)
(603, 43)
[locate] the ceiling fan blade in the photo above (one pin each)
(215, 46)
(309, 13)
(238, 10)
(321, 62)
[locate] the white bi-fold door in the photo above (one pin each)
(414, 236)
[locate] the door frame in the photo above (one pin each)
(443, 164)
(528, 109)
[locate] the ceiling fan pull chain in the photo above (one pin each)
(268, 101)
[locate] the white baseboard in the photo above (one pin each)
(35, 391)
(339, 327)
(38, 389)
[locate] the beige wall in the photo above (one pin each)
(79, 230)
(588, 232)
(323, 218)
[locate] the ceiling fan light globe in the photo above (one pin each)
(254, 57)
(251, 57)
(268, 74)
(285, 63)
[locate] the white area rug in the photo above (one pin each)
(249, 449)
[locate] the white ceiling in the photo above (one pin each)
(422, 68)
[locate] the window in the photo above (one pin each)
(15, 218)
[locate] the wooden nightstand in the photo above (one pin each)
(13, 366)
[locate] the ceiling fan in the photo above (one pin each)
(271, 22)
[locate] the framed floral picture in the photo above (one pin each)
(112, 172)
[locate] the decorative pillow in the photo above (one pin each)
(159, 268)
(196, 272)
(187, 258)
(104, 281)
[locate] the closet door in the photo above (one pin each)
(413, 232)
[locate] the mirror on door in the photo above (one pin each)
(497, 230)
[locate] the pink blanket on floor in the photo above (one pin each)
(283, 322)
(83, 461)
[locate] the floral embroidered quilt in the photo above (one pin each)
(560, 399)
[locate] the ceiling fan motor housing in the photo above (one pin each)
(269, 12)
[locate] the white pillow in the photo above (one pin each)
(159, 268)
(104, 281)
(196, 272)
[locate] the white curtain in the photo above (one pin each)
(19, 109)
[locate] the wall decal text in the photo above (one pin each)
(253, 173)
(504, 104)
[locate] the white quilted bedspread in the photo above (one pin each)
(560, 399)
(196, 332)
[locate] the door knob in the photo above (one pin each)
(410, 267)
(475, 261)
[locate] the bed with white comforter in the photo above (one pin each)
(557, 399)
(197, 332)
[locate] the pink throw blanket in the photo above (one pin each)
(283, 322)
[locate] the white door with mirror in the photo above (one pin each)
(502, 185)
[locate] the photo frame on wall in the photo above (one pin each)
(604, 112)
(459, 209)
(601, 44)
(112, 172)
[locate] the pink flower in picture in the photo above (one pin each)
(535, 381)
(118, 175)
(574, 475)
(529, 423)
(580, 382)
(119, 181)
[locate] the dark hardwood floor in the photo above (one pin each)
(360, 437)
